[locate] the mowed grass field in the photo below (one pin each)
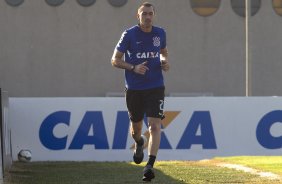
(197, 172)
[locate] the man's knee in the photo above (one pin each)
(155, 126)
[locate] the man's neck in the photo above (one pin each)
(145, 29)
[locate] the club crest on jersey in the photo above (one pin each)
(156, 41)
(145, 55)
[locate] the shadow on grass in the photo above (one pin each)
(80, 173)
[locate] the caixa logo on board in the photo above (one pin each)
(93, 120)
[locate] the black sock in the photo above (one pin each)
(140, 142)
(151, 160)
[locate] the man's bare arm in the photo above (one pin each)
(164, 59)
(118, 62)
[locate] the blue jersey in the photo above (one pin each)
(138, 47)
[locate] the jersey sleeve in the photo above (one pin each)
(123, 42)
(163, 41)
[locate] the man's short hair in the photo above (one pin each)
(146, 4)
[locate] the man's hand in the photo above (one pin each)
(141, 68)
(165, 65)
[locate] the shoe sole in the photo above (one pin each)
(138, 159)
(148, 176)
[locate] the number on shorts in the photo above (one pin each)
(161, 105)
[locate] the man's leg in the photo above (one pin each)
(136, 130)
(155, 135)
(153, 147)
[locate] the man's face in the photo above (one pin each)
(145, 16)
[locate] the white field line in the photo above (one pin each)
(268, 175)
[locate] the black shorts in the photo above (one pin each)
(148, 102)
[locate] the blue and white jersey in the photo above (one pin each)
(138, 47)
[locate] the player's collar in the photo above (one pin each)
(139, 26)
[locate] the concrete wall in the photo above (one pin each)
(66, 50)
(266, 51)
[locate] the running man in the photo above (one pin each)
(144, 48)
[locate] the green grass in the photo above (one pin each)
(265, 163)
(197, 172)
